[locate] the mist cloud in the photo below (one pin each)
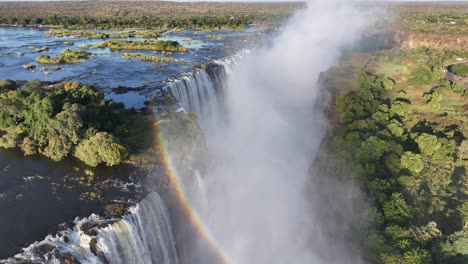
(257, 206)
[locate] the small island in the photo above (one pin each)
(90, 34)
(66, 56)
(155, 45)
(67, 119)
(148, 58)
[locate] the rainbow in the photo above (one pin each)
(171, 172)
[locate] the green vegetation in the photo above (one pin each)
(203, 22)
(436, 18)
(66, 56)
(409, 144)
(68, 42)
(103, 35)
(460, 69)
(156, 45)
(147, 58)
(152, 15)
(67, 119)
(101, 148)
(7, 85)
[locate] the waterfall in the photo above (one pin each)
(201, 92)
(196, 92)
(142, 236)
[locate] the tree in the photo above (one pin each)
(395, 128)
(412, 162)
(69, 122)
(388, 84)
(400, 237)
(401, 109)
(58, 148)
(455, 249)
(372, 149)
(29, 146)
(9, 140)
(396, 210)
(428, 144)
(428, 232)
(101, 148)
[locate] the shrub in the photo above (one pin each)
(460, 69)
(422, 75)
(458, 87)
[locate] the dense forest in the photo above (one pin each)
(404, 126)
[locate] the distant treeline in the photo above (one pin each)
(205, 22)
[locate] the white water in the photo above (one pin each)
(143, 236)
(201, 93)
(257, 209)
(195, 92)
(260, 210)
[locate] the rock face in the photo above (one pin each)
(93, 246)
(385, 39)
(412, 40)
(113, 210)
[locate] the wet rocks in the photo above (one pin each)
(68, 259)
(93, 246)
(114, 210)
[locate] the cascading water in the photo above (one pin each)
(260, 204)
(253, 197)
(142, 236)
(201, 91)
(196, 92)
